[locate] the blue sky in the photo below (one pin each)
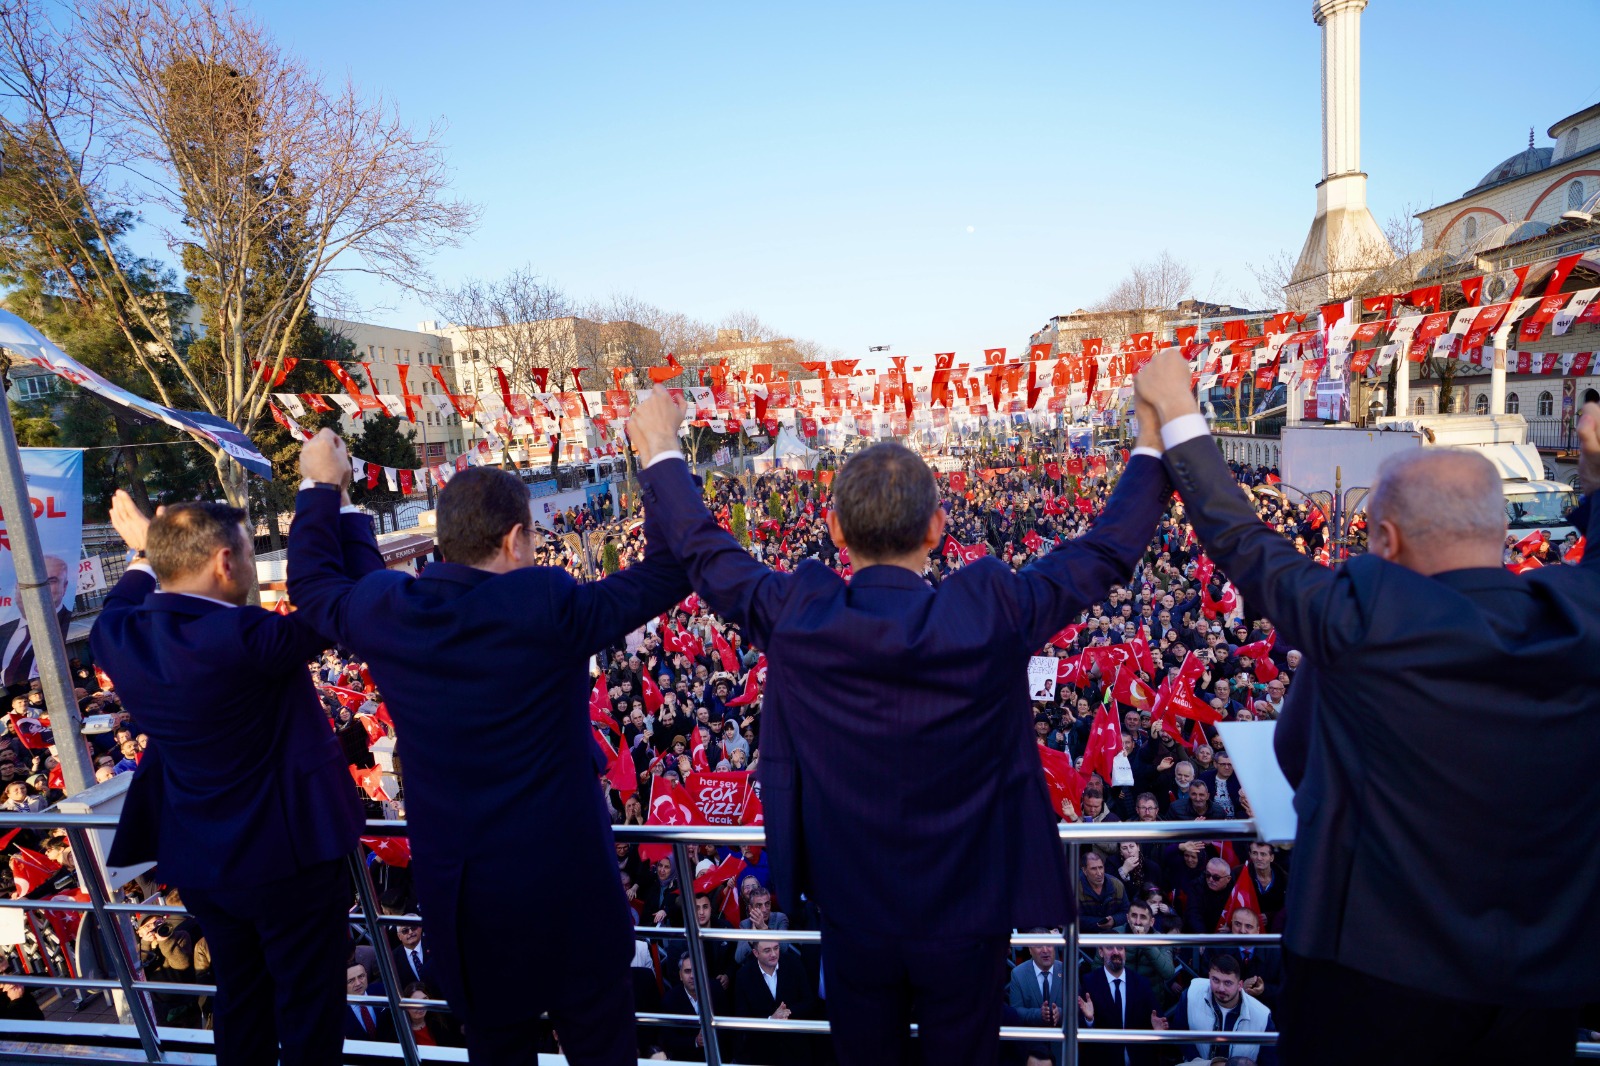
(932, 176)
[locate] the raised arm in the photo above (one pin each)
(605, 611)
(1055, 588)
(738, 588)
(1316, 608)
(319, 585)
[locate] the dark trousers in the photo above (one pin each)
(877, 985)
(596, 1028)
(278, 952)
(1332, 1014)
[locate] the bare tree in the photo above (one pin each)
(272, 180)
(521, 323)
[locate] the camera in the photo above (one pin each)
(163, 930)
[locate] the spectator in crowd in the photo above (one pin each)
(362, 1021)
(689, 1045)
(1115, 997)
(760, 916)
(1154, 963)
(1218, 1003)
(1429, 611)
(241, 798)
(1035, 993)
(773, 984)
(1102, 900)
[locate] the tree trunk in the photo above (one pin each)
(235, 481)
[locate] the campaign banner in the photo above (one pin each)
(719, 798)
(33, 347)
(55, 488)
(1042, 671)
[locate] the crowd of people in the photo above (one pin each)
(681, 697)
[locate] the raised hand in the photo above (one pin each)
(1163, 385)
(323, 459)
(1086, 1007)
(129, 522)
(1158, 1022)
(653, 425)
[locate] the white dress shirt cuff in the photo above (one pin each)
(661, 457)
(143, 567)
(1183, 428)
(1151, 452)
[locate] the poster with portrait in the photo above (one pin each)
(55, 487)
(1042, 671)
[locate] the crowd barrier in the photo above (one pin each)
(139, 1038)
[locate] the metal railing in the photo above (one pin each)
(141, 1038)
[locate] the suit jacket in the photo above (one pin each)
(486, 678)
(383, 1027)
(1416, 695)
(1024, 995)
(16, 674)
(911, 736)
(242, 783)
(1139, 1001)
(751, 999)
(680, 1042)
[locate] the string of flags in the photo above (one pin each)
(941, 393)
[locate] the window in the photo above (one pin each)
(1513, 404)
(1547, 405)
(1575, 196)
(1481, 404)
(1458, 402)
(1469, 230)
(1419, 406)
(35, 387)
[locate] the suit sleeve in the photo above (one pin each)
(1053, 589)
(603, 612)
(1317, 610)
(359, 545)
(1586, 516)
(737, 587)
(129, 592)
(1014, 996)
(319, 586)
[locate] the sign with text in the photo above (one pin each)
(719, 798)
(1042, 671)
(55, 488)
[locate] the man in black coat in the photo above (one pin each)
(683, 997)
(1115, 997)
(773, 983)
(886, 672)
(1428, 671)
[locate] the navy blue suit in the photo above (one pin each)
(245, 804)
(900, 781)
(1415, 694)
(486, 677)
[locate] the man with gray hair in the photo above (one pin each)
(1429, 671)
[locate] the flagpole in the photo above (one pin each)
(38, 606)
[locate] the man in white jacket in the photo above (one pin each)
(1218, 1003)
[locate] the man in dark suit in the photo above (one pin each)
(1115, 997)
(1428, 670)
(1036, 996)
(689, 1045)
(16, 646)
(773, 983)
(242, 798)
(896, 717)
(482, 661)
(362, 1021)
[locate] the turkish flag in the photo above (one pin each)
(1092, 347)
(30, 870)
(1574, 555)
(958, 482)
(697, 750)
(371, 782)
(1532, 541)
(1039, 351)
(658, 374)
(1176, 697)
(721, 873)
(1259, 649)
(1067, 636)
(753, 683)
(30, 731)
(392, 851)
(669, 805)
(994, 356)
(1033, 541)
(620, 771)
(650, 691)
(1105, 744)
(1061, 778)
(1127, 689)
(730, 661)
(1242, 897)
(1472, 290)
(1072, 671)
(1226, 603)
(408, 481)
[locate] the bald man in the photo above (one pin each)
(1431, 677)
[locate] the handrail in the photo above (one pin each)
(136, 988)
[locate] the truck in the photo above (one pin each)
(1313, 457)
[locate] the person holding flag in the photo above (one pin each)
(500, 642)
(886, 671)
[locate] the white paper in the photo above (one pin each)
(1041, 678)
(1249, 744)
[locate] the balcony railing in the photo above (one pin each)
(139, 1037)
